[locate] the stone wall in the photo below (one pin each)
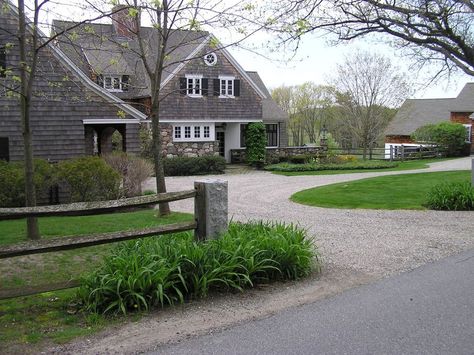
(274, 154)
(185, 149)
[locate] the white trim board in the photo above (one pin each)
(110, 121)
(207, 121)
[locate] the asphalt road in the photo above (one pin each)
(426, 311)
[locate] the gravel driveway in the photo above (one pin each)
(357, 247)
(372, 241)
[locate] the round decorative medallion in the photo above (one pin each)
(210, 59)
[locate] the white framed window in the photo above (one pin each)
(468, 132)
(189, 132)
(114, 83)
(210, 59)
(226, 86)
(177, 132)
(194, 85)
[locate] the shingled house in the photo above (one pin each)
(71, 115)
(207, 97)
(415, 113)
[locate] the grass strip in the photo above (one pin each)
(408, 191)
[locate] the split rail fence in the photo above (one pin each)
(205, 225)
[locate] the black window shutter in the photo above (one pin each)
(217, 87)
(3, 62)
(100, 80)
(182, 86)
(125, 80)
(236, 87)
(205, 86)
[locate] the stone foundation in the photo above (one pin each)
(185, 149)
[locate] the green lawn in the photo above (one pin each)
(54, 316)
(393, 192)
(404, 165)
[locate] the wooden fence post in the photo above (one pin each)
(391, 152)
(403, 152)
(472, 172)
(210, 208)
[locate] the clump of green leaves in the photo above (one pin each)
(255, 140)
(158, 271)
(451, 136)
(187, 166)
(458, 196)
(90, 179)
(12, 181)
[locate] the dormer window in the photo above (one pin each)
(113, 83)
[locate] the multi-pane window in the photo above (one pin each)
(468, 132)
(187, 132)
(177, 132)
(113, 82)
(193, 133)
(226, 86)
(194, 85)
(272, 134)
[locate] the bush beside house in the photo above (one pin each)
(451, 136)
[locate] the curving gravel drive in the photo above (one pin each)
(372, 241)
(357, 247)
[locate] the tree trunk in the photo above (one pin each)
(25, 106)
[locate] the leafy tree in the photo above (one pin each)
(451, 136)
(367, 84)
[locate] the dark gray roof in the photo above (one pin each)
(270, 109)
(97, 48)
(415, 113)
(465, 100)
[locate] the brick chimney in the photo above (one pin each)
(124, 24)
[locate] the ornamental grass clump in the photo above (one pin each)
(458, 196)
(159, 271)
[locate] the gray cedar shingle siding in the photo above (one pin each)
(182, 107)
(61, 103)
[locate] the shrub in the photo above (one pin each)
(299, 159)
(355, 165)
(12, 181)
(256, 141)
(346, 158)
(451, 197)
(451, 136)
(90, 179)
(133, 170)
(159, 271)
(186, 166)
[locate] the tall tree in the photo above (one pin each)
(368, 84)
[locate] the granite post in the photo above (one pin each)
(210, 208)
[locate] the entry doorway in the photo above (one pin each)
(220, 137)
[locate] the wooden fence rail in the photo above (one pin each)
(210, 219)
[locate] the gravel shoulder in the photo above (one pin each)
(357, 246)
